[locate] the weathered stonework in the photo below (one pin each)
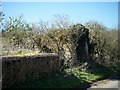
(21, 69)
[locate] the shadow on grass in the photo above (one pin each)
(60, 80)
(70, 80)
(99, 69)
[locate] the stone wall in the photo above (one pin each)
(21, 69)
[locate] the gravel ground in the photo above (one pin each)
(106, 84)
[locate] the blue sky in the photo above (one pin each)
(79, 12)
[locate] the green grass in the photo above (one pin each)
(57, 81)
(69, 79)
(88, 77)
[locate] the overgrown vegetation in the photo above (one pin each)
(105, 43)
(69, 79)
(61, 36)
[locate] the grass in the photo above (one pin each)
(21, 55)
(87, 77)
(70, 78)
(56, 81)
(24, 55)
(100, 70)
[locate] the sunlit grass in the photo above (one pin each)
(27, 54)
(88, 77)
(22, 55)
(69, 79)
